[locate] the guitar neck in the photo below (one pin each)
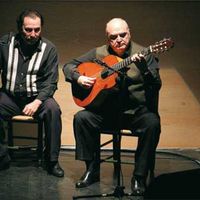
(124, 63)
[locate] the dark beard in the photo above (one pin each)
(29, 42)
(28, 48)
(32, 41)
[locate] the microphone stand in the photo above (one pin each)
(119, 189)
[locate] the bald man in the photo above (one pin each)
(132, 103)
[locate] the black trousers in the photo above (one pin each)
(49, 111)
(87, 127)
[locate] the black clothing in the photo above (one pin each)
(29, 76)
(135, 106)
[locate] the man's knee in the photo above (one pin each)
(84, 117)
(51, 106)
(80, 116)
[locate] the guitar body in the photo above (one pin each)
(94, 96)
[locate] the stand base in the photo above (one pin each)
(118, 193)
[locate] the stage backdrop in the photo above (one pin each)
(77, 26)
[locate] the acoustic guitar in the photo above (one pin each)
(106, 71)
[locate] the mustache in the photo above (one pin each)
(32, 40)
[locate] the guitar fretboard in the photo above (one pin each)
(122, 64)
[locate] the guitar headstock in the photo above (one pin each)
(161, 46)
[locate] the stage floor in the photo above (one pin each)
(176, 177)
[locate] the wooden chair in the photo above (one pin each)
(39, 139)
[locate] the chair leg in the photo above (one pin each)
(10, 138)
(40, 143)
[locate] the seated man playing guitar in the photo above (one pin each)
(118, 87)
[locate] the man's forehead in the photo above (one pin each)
(117, 26)
(32, 20)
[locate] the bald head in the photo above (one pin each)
(118, 35)
(116, 24)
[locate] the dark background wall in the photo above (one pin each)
(77, 26)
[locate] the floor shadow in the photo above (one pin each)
(179, 185)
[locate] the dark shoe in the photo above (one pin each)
(88, 178)
(138, 185)
(55, 169)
